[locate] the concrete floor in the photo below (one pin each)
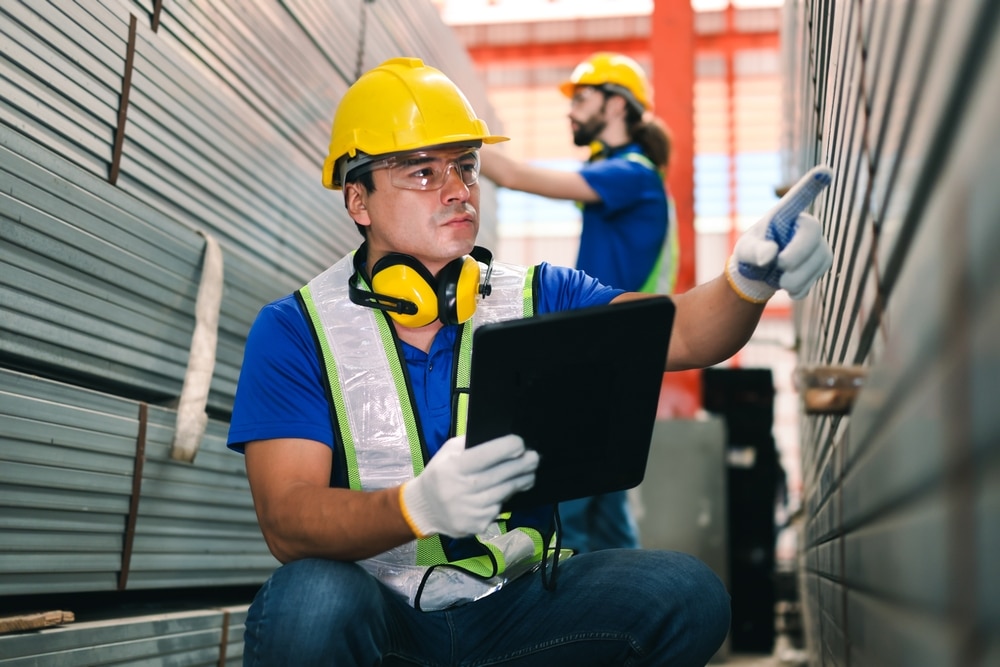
(784, 655)
(751, 660)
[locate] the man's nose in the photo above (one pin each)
(454, 187)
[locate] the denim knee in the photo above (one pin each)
(685, 606)
(706, 605)
(311, 611)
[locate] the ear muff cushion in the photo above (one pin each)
(403, 277)
(458, 287)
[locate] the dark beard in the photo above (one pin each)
(586, 132)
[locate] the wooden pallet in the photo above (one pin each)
(34, 621)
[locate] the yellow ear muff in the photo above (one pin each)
(401, 283)
(458, 287)
(403, 277)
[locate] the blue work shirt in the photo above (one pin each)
(623, 233)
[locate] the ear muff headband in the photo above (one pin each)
(406, 290)
(370, 299)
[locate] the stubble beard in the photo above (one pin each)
(586, 132)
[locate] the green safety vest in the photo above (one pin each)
(382, 443)
(663, 278)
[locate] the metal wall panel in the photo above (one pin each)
(902, 493)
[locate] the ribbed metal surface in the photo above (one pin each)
(67, 462)
(903, 495)
(208, 637)
(226, 129)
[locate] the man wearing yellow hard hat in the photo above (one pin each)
(393, 545)
(626, 217)
(629, 233)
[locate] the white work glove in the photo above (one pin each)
(460, 491)
(785, 249)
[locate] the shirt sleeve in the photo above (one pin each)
(562, 288)
(281, 392)
(615, 181)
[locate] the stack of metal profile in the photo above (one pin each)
(90, 499)
(204, 637)
(224, 133)
(129, 133)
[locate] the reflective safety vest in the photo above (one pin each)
(663, 278)
(381, 440)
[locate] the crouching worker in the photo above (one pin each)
(393, 545)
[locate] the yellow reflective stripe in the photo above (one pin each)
(481, 566)
(671, 246)
(653, 278)
(675, 245)
(484, 566)
(640, 159)
(462, 376)
(464, 364)
(528, 294)
(430, 550)
(339, 406)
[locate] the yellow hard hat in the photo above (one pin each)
(611, 69)
(401, 105)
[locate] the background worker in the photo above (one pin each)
(628, 238)
(389, 530)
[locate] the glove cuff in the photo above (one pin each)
(753, 291)
(415, 509)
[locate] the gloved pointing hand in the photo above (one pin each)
(785, 249)
(460, 491)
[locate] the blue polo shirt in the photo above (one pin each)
(281, 391)
(624, 232)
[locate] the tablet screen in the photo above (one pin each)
(581, 387)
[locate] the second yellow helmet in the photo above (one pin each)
(605, 68)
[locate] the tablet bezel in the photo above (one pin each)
(527, 374)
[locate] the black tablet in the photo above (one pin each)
(581, 387)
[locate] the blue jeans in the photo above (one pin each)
(598, 522)
(612, 607)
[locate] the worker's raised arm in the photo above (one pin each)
(507, 172)
(784, 250)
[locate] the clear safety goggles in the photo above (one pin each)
(427, 170)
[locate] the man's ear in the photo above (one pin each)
(616, 104)
(355, 201)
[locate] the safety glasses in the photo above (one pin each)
(423, 170)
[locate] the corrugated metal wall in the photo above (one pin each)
(902, 525)
(223, 131)
(130, 131)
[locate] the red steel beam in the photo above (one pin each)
(673, 47)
